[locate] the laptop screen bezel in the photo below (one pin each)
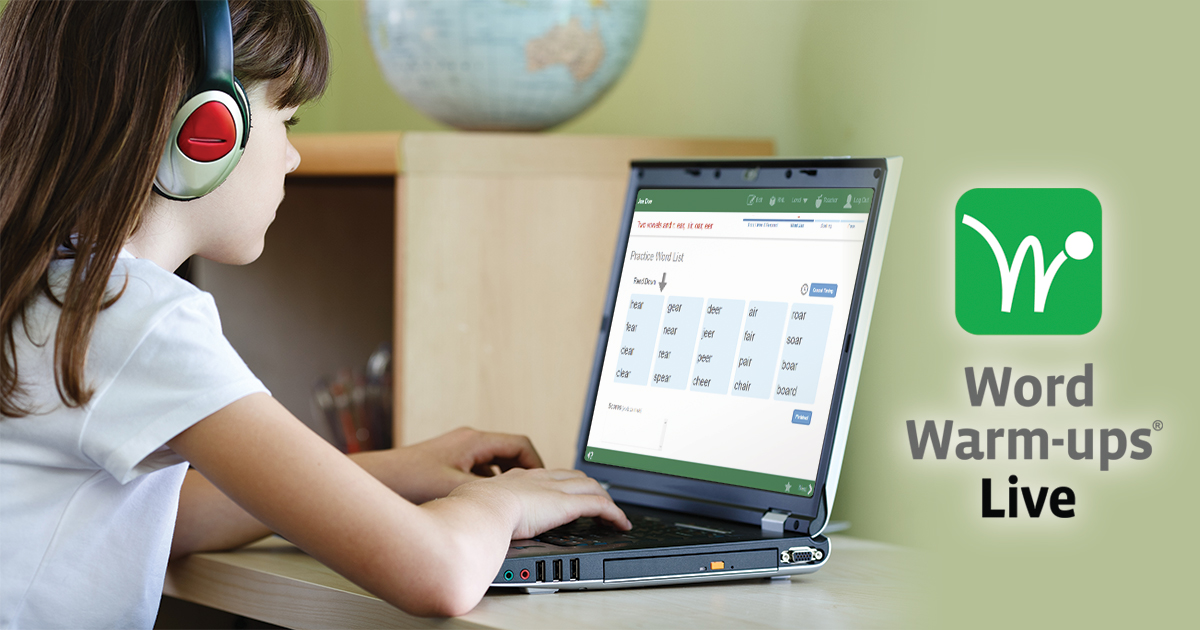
(742, 503)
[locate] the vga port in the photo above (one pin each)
(801, 555)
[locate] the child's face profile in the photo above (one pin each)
(229, 224)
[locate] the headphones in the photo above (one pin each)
(209, 132)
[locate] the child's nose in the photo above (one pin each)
(293, 157)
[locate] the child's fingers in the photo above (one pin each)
(592, 498)
(486, 470)
(583, 485)
(560, 474)
(603, 508)
(507, 451)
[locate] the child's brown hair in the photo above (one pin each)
(89, 90)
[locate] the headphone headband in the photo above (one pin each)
(209, 132)
(216, 40)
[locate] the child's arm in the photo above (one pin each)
(209, 521)
(435, 559)
(433, 468)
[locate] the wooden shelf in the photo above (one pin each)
(348, 154)
(390, 154)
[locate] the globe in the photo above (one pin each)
(503, 64)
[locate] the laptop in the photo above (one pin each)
(725, 373)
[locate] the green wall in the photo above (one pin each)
(1085, 95)
(1025, 95)
(703, 69)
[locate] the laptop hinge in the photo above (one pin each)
(773, 521)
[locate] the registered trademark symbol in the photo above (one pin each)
(1158, 425)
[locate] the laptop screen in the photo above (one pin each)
(731, 313)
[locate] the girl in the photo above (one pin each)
(114, 371)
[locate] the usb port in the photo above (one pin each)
(541, 570)
(574, 569)
(558, 570)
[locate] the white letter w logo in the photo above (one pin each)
(1078, 244)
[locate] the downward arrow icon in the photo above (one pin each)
(663, 284)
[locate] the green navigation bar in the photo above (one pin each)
(757, 200)
(704, 472)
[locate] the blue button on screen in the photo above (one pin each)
(823, 290)
(801, 417)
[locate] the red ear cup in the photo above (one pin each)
(210, 128)
(208, 134)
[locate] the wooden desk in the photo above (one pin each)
(864, 584)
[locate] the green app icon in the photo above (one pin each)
(1027, 261)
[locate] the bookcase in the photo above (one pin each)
(482, 257)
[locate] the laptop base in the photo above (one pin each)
(719, 551)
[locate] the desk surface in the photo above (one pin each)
(864, 584)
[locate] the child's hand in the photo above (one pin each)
(431, 469)
(293, 482)
(544, 499)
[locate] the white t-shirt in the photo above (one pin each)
(89, 495)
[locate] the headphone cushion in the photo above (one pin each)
(243, 103)
(208, 134)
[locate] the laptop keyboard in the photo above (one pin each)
(646, 529)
